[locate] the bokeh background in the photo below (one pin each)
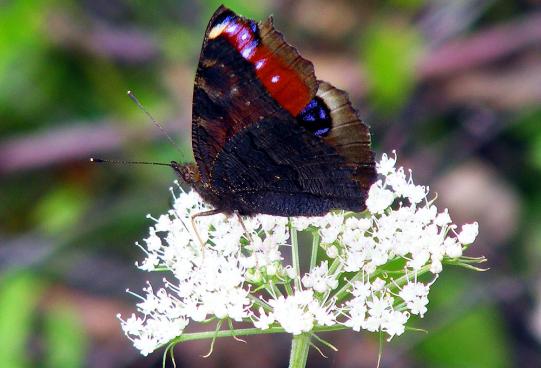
(453, 86)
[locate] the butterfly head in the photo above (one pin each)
(187, 172)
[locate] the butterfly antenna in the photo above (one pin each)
(122, 162)
(140, 106)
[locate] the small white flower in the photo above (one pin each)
(319, 279)
(378, 284)
(301, 223)
(153, 242)
(292, 312)
(394, 323)
(332, 251)
(436, 266)
(443, 218)
(264, 321)
(415, 193)
(386, 164)
(133, 325)
(331, 225)
(415, 294)
(469, 233)
(379, 199)
(290, 272)
(453, 249)
(145, 344)
(323, 316)
(357, 316)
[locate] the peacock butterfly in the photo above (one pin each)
(267, 136)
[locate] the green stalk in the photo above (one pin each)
(295, 256)
(299, 351)
(315, 248)
(245, 332)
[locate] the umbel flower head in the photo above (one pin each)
(363, 271)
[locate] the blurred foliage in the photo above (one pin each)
(22, 57)
(475, 340)
(389, 53)
(63, 333)
(19, 295)
(66, 345)
(65, 64)
(60, 209)
(476, 336)
(527, 129)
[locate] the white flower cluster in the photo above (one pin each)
(369, 271)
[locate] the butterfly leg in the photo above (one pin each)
(248, 235)
(194, 225)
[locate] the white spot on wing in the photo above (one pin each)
(232, 28)
(217, 30)
(246, 52)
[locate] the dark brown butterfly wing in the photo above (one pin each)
(349, 136)
(230, 93)
(277, 167)
(253, 112)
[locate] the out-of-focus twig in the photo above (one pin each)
(451, 62)
(58, 145)
(482, 48)
(125, 45)
(443, 20)
(72, 142)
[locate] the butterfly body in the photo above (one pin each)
(267, 136)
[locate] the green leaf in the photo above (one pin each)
(19, 295)
(60, 209)
(16, 40)
(65, 339)
(389, 52)
(22, 46)
(475, 340)
(536, 152)
(471, 336)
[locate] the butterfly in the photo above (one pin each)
(267, 136)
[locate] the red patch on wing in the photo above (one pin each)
(281, 81)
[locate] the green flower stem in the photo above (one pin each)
(246, 332)
(299, 351)
(334, 265)
(288, 289)
(259, 302)
(461, 262)
(403, 280)
(315, 248)
(276, 290)
(342, 292)
(473, 259)
(295, 256)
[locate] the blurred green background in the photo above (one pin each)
(453, 86)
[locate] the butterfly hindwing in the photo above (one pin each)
(348, 135)
(277, 167)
